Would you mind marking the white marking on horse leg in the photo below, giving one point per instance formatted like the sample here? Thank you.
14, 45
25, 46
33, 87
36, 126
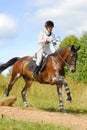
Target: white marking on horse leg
25, 104
68, 98
66, 87
59, 90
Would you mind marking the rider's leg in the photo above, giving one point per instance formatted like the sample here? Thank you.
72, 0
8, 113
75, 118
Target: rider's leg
38, 60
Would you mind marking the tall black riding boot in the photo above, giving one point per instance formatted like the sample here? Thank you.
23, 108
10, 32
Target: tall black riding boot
35, 72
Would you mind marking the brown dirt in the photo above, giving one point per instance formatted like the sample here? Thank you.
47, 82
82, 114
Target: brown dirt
73, 121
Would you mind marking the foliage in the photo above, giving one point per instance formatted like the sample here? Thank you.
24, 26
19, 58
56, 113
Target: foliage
81, 73
83, 58
69, 40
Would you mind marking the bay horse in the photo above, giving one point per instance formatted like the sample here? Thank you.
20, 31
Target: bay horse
53, 72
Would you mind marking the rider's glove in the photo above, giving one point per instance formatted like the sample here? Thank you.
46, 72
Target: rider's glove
55, 45
47, 42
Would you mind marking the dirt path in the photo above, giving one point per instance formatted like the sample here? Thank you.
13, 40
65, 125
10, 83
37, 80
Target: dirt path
76, 122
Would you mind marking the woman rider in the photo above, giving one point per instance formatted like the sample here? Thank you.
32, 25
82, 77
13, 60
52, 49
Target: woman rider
46, 37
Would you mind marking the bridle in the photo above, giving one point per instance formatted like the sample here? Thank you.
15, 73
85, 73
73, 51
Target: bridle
69, 58
67, 63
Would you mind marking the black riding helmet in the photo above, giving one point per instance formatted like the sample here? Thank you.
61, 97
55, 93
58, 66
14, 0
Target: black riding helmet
49, 23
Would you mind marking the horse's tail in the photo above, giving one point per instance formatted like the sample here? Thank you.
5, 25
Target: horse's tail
8, 63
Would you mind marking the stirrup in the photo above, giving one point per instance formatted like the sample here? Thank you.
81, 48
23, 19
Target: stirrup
34, 74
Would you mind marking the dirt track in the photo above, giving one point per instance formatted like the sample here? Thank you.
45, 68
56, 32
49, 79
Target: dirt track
76, 122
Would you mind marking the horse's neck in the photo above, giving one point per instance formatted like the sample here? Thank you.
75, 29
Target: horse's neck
61, 57
65, 53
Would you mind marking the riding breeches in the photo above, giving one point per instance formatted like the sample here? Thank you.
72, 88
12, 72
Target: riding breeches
40, 50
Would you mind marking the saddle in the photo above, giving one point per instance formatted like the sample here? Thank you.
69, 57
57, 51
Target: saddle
32, 63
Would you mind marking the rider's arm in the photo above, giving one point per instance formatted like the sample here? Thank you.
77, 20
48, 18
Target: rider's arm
54, 41
41, 38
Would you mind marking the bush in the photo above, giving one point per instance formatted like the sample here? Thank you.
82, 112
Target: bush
81, 73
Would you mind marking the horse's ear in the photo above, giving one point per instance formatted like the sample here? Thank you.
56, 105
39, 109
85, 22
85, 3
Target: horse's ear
78, 48
72, 48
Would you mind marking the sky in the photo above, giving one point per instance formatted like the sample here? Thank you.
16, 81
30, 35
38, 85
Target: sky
22, 20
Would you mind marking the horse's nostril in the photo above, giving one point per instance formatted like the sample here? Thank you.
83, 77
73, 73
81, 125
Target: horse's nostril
72, 71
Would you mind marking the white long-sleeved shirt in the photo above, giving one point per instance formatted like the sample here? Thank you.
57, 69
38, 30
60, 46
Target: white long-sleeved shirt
44, 35
42, 46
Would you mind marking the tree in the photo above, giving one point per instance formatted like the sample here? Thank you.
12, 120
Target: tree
82, 64
69, 40
81, 72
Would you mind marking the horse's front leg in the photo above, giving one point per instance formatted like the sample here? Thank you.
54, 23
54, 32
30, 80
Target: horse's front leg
59, 91
68, 98
61, 79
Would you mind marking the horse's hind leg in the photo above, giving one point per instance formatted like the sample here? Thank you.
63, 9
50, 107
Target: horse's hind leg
12, 81
23, 92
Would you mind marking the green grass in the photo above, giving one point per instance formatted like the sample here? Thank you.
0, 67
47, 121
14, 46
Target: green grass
45, 96
9, 124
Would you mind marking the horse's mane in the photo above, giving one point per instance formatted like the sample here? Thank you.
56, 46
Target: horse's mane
61, 49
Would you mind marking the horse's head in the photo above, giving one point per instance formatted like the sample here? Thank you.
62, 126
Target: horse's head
72, 58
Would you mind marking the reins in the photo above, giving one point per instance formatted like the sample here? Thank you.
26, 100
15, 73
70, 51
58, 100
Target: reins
63, 59
58, 37
67, 64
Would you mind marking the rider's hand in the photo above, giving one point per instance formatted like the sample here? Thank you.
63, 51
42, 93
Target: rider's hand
47, 42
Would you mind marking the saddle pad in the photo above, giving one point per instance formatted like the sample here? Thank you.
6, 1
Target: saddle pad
32, 65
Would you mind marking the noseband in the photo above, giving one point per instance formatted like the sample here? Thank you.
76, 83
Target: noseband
67, 63
69, 59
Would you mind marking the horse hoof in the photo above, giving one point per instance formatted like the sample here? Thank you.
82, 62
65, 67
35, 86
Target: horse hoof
25, 104
63, 111
69, 98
